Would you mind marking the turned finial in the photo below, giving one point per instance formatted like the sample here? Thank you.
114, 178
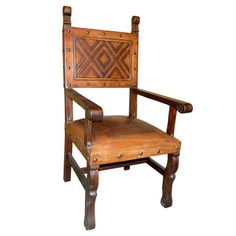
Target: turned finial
135, 23
67, 15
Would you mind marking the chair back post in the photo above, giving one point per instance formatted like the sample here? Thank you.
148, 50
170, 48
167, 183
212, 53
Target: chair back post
66, 24
67, 16
133, 96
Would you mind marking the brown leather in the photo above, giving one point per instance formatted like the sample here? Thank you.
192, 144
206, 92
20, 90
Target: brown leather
119, 138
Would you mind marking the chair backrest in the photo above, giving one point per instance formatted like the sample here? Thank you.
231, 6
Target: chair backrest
99, 58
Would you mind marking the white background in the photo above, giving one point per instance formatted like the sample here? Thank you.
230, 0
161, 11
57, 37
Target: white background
187, 51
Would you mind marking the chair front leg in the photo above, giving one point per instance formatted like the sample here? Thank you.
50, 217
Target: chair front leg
90, 197
168, 178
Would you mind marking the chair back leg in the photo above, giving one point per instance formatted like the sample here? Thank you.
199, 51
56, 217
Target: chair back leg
67, 166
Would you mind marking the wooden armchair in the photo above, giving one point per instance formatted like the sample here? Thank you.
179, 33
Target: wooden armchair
106, 59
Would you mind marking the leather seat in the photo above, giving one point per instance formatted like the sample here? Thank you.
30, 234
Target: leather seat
120, 138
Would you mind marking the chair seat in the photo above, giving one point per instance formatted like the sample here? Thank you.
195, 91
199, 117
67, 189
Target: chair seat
120, 138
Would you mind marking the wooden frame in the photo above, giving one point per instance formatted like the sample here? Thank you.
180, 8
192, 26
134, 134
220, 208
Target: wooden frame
108, 71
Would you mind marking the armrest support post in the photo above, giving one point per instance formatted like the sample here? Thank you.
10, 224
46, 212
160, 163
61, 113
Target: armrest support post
88, 132
171, 121
68, 110
132, 104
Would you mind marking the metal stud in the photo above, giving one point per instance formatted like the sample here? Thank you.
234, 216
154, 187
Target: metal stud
92, 193
89, 143
88, 84
68, 84
120, 156
172, 176
68, 30
158, 150
68, 67
103, 33
141, 153
95, 159
68, 49
87, 32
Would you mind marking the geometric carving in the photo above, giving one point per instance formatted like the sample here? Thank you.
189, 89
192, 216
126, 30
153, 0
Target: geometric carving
95, 58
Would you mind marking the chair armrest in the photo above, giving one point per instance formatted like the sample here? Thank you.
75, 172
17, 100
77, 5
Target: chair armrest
92, 110
180, 106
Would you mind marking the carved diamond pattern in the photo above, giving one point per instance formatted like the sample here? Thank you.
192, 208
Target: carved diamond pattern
104, 59
101, 59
